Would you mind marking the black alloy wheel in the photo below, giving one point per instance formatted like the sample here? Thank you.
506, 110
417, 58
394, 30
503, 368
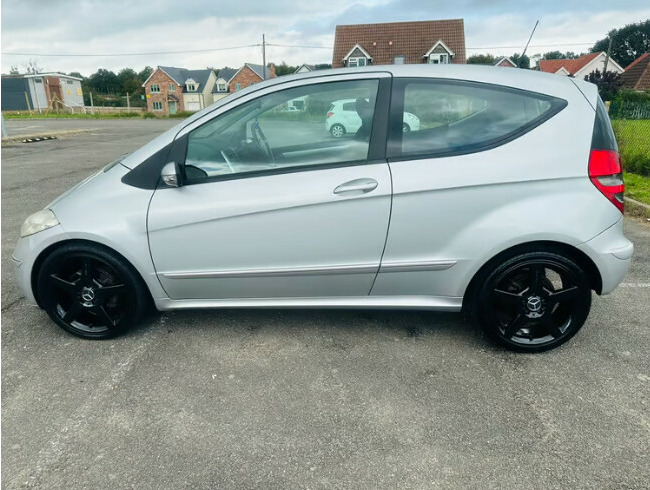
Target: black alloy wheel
90, 292
534, 302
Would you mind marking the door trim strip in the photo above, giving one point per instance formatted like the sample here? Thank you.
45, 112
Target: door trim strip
411, 266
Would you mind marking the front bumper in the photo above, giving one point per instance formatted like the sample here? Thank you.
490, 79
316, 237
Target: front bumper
27, 251
611, 252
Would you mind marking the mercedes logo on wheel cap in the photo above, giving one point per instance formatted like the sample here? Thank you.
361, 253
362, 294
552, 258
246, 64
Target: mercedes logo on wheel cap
534, 304
88, 295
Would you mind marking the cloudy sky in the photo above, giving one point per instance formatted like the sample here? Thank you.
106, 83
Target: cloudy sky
113, 31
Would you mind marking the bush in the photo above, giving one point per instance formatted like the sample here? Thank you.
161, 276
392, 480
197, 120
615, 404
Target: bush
181, 115
149, 115
634, 144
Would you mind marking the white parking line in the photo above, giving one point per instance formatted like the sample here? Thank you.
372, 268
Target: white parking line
635, 285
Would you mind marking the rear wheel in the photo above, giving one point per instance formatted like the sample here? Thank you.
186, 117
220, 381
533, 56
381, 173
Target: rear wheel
90, 292
534, 302
337, 130
405, 128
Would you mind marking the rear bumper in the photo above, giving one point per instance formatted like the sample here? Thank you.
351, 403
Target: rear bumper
611, 252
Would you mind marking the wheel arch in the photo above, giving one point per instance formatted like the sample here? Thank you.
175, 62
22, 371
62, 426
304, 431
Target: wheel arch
569, 251
47, 251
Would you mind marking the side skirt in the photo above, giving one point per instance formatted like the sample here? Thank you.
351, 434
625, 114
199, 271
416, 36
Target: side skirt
437, 303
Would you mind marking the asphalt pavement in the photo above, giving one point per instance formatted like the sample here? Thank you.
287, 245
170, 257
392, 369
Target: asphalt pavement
307, 399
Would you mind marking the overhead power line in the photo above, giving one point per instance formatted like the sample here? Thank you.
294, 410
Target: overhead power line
303, 46
133, 54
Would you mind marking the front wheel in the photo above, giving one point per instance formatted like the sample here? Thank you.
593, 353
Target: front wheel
534, 302
406, 128
90, 291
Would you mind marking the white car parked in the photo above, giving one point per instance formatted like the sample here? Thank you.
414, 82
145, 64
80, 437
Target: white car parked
343, 118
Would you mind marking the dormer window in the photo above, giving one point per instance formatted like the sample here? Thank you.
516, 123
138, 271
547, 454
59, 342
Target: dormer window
439, 54
190, 85
436, 59
357, 56
222, 86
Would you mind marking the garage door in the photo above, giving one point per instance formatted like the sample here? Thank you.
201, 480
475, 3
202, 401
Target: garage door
192, 106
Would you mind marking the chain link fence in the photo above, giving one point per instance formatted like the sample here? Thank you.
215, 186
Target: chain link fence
631, 122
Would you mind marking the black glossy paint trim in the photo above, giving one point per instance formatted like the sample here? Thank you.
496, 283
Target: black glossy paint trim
394, 142
147, 174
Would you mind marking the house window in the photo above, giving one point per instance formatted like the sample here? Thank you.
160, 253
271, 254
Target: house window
437, 59
238, 86
38, 80
155, 88
399, 60
69, 82
157, 106
354, 62
171, 87
221, 87
191, 87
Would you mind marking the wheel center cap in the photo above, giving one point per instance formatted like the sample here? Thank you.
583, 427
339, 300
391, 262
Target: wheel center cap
534, 304
88, 296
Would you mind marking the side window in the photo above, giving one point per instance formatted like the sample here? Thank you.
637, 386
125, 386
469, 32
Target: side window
263, 135
454, 117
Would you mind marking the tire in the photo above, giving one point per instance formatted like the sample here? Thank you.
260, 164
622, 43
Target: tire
90, 291
337, 130
406, 128
534, 302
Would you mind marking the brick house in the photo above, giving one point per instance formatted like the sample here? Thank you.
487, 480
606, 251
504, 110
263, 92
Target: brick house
637, 74
250, 74
580, 67
505, 62
430, 41
169, 89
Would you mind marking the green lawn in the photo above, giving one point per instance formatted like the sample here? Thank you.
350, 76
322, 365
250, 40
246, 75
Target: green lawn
637, 187
634, 144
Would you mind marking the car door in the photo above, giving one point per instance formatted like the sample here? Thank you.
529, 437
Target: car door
273, 206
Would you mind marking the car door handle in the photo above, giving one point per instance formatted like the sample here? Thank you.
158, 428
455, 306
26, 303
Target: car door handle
356, 187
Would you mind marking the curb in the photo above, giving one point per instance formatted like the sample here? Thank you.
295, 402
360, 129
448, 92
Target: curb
30, 138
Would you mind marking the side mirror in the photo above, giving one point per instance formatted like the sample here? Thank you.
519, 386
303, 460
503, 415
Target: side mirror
172, 174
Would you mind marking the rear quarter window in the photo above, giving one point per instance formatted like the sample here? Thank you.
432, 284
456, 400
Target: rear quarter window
457, 117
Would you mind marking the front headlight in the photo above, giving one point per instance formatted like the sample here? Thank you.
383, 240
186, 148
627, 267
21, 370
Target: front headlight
38, 222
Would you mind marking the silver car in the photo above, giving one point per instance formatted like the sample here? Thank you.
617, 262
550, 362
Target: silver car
507, 202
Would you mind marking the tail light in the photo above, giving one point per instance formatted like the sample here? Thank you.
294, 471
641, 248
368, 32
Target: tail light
606, 173
329, 114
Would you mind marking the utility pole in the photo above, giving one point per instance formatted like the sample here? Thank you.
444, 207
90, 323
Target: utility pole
609, 49
263, 57
92, 107
128, 102
4, 128
526, 48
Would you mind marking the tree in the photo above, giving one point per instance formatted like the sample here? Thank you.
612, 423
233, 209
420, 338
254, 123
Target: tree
559, 55
323, 66
129, 81
481, 59
14, 70
104, 81
32, 67
522, 61
628, 43
76, 74
144, 74
608, 83
284, 69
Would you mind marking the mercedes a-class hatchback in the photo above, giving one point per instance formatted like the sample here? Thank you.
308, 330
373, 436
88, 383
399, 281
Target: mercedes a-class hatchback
505, 200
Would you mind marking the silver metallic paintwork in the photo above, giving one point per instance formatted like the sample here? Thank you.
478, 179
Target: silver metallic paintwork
448, 215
